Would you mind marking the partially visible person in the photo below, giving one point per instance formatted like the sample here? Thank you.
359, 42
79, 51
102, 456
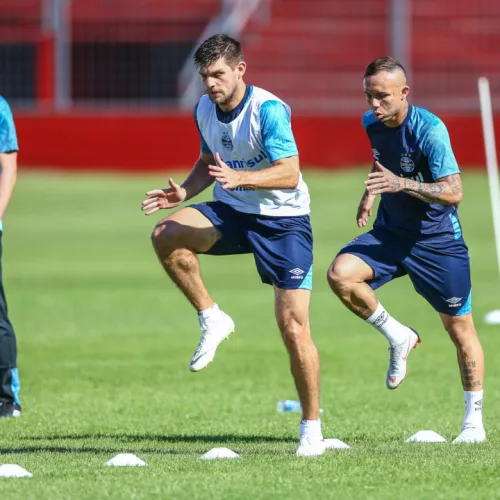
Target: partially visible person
9, 377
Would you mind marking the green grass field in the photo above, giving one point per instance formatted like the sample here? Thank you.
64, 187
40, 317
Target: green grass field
105, 340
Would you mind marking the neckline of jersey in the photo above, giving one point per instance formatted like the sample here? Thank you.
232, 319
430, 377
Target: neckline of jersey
229, 116
407, 118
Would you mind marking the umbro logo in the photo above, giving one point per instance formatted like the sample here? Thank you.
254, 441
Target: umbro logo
297, 273
381, 320
454, 302
479, 405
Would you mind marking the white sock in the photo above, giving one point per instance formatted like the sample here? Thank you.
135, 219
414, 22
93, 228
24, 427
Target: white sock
391, 329
473, 409
208, 313
311, 428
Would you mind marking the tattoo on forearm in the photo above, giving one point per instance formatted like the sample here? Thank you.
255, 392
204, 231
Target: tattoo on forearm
433, 192
429, 193
455, 183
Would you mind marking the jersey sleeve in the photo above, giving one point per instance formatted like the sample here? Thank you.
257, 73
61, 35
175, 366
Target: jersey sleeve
8, 137
276, 129
203, 146
436, 146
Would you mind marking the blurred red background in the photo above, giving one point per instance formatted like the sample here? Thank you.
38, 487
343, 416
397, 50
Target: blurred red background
108, 84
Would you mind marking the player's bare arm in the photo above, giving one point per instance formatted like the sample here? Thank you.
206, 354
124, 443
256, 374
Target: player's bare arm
196, 182
365, 205
8, 174
445, 191
283, 174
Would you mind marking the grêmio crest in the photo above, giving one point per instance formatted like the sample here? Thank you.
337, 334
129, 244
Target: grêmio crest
227, 142
406, 163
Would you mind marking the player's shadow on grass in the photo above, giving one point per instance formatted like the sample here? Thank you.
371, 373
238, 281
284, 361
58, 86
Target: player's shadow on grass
146, 443
165, 438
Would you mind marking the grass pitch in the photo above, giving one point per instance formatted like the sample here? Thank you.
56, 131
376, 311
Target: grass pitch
105, 341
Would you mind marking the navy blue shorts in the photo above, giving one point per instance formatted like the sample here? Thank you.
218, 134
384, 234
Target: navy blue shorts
439, 270
281, 246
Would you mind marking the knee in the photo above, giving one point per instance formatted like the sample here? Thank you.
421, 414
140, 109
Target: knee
461, 334
165, 238
339, 276
293, 331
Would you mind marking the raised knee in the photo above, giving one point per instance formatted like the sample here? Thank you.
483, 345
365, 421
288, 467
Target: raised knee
165, 237
338, 276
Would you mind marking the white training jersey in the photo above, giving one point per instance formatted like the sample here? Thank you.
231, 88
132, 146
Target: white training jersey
251, 137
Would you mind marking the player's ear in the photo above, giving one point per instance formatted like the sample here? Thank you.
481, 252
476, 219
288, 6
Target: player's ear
241, 68
404, 92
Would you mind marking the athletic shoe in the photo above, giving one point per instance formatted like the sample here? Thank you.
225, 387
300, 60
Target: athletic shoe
470, 435
215, 329
399, 356
9, 409
310, 447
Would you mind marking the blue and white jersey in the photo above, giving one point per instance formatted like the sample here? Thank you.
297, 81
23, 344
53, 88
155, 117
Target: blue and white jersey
418, 149
251, 137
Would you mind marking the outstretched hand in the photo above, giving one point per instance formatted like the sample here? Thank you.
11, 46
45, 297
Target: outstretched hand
164, 198
383, 181
228, 178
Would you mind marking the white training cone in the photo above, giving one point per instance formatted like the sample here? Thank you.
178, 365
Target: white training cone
215, 453
425, 437
492, 318
125, 459
336, 444
13, 470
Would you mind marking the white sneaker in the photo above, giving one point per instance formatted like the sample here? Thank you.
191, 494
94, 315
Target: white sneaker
310, 447
399, 355
215, 330
470, 435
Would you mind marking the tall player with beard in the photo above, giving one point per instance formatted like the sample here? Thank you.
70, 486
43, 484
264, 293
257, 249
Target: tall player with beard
261, 206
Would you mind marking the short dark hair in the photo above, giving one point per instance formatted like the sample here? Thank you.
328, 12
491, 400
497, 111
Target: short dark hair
385, 63
217, 46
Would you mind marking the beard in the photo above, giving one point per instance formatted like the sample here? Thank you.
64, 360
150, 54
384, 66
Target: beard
222, 99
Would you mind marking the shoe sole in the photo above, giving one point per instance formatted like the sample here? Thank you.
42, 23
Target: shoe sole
203, 367
419, 341
312, 455
477, 441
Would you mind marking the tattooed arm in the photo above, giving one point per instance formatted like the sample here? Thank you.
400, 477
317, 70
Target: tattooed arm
445, 191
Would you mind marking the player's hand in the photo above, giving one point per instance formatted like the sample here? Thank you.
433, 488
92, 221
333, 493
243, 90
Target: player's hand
164, 198
228, 178
383, 181
365, 209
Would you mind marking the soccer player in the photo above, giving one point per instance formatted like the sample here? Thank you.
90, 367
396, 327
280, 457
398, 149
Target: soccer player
261, 206
416, 233
9, 378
